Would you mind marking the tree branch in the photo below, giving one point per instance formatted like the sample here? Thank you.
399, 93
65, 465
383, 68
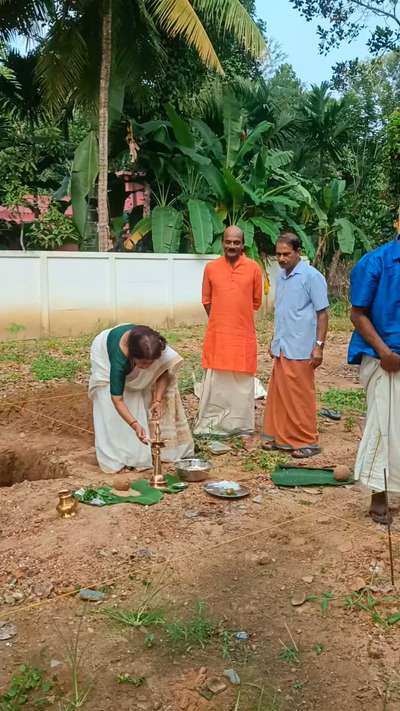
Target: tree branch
379, 11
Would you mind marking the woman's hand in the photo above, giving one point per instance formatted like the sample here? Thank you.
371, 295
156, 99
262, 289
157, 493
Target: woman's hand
155, 410
140, 432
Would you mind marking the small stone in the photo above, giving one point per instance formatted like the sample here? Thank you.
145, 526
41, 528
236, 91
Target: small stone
258, 499
375, 651
298, 599
308, 579
216, 447
91, 595
263, 559
242, 636
54, 663
143, 553
233, 676
8, 599
298, 541
191, 514
7, 630
216, 686
358, 584
44, 589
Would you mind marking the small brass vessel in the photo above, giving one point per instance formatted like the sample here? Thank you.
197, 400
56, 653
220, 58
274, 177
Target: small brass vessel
67, 504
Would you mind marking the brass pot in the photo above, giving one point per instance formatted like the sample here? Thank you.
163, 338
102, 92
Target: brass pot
67, 504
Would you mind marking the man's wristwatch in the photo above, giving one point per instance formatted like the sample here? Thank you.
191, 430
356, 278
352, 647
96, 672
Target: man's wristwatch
320, 344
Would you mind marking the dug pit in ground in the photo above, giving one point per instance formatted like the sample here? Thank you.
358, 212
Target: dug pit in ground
24, 464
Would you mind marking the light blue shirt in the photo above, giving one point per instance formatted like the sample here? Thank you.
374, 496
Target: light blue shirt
299, 295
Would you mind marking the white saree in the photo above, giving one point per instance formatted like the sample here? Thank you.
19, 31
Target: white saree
379, 448
117, 445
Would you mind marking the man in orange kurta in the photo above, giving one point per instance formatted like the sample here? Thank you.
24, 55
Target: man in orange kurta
232, 291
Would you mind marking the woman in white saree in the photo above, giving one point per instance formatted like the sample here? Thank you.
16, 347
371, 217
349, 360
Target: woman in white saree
133, 381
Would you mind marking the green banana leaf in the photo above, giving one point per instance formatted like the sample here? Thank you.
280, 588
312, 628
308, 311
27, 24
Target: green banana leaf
235, 188
166, 228
210, 139
306, 241
181, 129
85, 169
345, 235
268, 227
248, 231
202, 226
233, 127
217, 223
252, 139
215, 180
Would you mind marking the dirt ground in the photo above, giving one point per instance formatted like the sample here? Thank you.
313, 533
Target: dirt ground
247, 561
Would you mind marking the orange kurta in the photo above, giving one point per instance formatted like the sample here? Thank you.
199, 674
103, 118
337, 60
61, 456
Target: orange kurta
234, 293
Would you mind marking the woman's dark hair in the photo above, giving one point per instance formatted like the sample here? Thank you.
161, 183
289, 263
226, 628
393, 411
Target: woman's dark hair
290, 239
144, 344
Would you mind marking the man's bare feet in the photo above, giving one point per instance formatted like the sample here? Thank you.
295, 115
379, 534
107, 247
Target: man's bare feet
378, 511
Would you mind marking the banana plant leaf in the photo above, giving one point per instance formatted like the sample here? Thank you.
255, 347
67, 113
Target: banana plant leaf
248, 231
202, 226
233, 127
345, 235
210, 139
85, 169
166, 228
181, 129
306, 241
252, 139
268, 227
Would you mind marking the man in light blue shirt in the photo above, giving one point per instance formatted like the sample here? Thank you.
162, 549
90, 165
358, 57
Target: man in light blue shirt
301, 325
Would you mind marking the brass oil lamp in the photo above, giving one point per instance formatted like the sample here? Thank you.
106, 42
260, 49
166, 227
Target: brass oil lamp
157, 480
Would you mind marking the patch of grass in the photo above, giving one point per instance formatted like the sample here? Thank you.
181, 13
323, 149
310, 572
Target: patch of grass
75, 658
190, 372
267, 461
197, 631
339, 308
318, 648
135, 618
289, 654
349, 423
350, 400
27, 689
135, 681
363, 600
324, 600
265, 700
10, 355
46, 367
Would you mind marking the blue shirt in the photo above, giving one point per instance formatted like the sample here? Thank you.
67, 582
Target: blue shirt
299, 295
375, 285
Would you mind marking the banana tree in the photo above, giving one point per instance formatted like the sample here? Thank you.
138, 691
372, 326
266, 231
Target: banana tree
334, 234
216, 181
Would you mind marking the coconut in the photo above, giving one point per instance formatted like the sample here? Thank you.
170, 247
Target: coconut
121, 484
342, 472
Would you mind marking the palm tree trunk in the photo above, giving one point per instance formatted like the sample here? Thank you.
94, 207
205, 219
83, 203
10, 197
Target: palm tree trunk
105, 71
